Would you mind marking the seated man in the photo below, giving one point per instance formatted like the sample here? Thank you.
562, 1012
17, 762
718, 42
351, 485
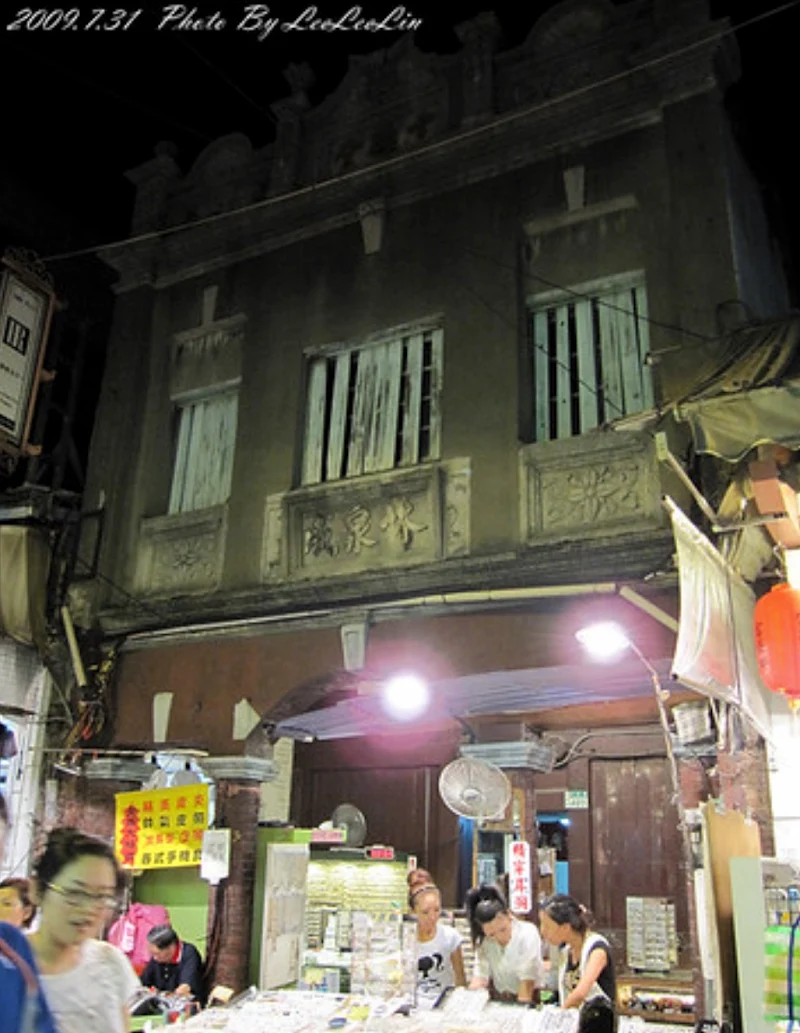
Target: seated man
175, 967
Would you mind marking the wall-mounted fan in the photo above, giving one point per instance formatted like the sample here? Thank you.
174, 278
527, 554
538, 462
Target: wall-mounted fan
348, 817
474, 788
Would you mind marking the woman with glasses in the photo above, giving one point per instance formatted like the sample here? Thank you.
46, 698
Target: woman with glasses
86, 981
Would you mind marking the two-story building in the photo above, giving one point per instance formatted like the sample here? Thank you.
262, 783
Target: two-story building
381, 398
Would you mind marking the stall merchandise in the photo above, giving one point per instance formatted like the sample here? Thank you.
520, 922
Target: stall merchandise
296, 1011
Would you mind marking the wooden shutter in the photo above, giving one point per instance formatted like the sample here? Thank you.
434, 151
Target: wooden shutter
541, 376
315, 422
437, 364
412, 409
337, 428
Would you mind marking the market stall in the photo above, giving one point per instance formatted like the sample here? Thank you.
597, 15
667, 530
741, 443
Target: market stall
295, 1011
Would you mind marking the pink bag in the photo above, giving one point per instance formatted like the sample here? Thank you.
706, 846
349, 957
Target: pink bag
130, 930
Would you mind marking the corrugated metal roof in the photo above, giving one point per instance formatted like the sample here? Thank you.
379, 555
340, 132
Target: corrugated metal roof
498, 692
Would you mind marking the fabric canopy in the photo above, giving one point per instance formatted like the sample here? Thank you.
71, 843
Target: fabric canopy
729, 425
24, 565
716, 652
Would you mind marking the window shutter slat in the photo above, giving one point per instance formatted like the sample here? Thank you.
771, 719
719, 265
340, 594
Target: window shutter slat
414, 401
643, 337
630, 361
181, 455
587, 367
563, 401
315, 422
362, 412
609, 320
437, 363
541, 375
338, 417
381, 455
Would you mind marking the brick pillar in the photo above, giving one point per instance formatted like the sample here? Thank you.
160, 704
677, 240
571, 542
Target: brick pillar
87, 801
744, 786
238, 781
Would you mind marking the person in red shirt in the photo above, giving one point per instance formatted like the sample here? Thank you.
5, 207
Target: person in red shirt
175, 967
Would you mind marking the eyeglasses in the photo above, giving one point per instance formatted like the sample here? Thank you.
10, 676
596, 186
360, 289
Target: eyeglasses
84, 901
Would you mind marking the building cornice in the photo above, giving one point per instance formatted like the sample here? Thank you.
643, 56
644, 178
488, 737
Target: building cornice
305, 604
511, 141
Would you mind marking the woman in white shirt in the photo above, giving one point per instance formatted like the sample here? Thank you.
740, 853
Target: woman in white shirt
508, 955
87, 983
440, 963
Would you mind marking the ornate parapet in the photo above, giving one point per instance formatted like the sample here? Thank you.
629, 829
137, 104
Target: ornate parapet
598, 484
389, 520
182, 553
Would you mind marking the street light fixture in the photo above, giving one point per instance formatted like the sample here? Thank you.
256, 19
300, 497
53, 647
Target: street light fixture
405, 697
606, 641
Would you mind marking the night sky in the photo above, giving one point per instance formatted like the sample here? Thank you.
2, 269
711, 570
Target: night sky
91, 101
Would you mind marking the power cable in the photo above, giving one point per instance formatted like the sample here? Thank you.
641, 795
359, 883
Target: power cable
136, 600
434, 147
200, 57
65, 70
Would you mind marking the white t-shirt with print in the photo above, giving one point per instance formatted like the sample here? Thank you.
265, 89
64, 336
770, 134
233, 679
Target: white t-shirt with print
90, 997
434, 967
519, 960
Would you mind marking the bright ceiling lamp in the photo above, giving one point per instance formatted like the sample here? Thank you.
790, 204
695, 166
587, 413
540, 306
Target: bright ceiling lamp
405, 697
604, 641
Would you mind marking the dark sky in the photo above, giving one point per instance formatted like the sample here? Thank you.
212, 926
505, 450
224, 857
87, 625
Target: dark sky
91, 101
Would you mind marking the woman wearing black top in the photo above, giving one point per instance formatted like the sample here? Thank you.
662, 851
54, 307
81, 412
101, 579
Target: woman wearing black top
586, 977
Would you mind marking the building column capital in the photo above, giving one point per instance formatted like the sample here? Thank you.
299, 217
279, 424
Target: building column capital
239, 769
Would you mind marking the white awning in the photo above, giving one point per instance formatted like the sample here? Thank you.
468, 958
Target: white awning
716, 650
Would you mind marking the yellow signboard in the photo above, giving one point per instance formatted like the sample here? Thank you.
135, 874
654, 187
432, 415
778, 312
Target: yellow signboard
161, 828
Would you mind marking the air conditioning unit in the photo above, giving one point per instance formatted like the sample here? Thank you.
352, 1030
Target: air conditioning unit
533, 754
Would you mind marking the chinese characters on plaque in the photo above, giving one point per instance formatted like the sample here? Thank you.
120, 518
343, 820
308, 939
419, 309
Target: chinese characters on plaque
519, 876
161, 828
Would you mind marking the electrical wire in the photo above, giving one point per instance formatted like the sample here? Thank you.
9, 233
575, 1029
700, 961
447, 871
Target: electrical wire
229, 82
433, 147
69, 71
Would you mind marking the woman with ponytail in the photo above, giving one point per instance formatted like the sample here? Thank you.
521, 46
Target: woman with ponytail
586, 977
508, 951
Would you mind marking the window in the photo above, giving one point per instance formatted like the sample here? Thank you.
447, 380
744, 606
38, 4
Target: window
589, 348
206, 437
374, 407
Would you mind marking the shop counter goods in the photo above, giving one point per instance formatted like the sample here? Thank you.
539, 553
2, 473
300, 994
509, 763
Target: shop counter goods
296, 1011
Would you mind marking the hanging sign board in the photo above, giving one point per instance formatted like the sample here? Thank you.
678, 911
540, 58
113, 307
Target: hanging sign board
520, 891
161, 828
215, 860
26, 306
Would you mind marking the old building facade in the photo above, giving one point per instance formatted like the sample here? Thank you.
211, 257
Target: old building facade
398, 375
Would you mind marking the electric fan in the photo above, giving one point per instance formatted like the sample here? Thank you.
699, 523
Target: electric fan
348, 817
474, 788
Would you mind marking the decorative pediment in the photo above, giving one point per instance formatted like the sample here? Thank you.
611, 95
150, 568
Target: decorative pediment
221, 160
570, 26
388, 103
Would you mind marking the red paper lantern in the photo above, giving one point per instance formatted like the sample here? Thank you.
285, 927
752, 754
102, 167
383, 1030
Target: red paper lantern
777, 633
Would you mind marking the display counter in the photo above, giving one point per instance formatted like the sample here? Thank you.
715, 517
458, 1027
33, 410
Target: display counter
296, 1011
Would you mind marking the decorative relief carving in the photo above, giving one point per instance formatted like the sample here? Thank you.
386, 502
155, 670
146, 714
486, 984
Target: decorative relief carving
598, 483
600, 493
386, 520
183, 552
457, 500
